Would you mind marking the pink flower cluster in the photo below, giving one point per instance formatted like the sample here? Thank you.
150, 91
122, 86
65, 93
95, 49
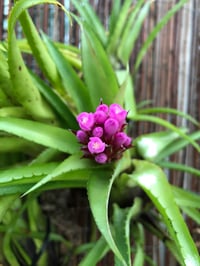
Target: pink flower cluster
101, 133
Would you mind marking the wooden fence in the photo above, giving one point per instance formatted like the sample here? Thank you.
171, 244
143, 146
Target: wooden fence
169, 76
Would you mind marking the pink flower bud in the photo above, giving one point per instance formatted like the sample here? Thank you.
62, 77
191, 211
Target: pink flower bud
120, 139
100, 117
128, 142
102, 107
101, 158
82, 136
97, 132
85, 120
96, 145
111, 126
118, 113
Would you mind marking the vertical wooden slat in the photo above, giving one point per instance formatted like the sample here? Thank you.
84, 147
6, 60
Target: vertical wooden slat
5, 7
61, 29
1, 19
185, 59
45, 18
183, 87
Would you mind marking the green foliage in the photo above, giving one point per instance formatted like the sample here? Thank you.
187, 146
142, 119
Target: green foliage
99, 63
47, 135
71, 83
40, 152
152, 179
23, 88
156, 30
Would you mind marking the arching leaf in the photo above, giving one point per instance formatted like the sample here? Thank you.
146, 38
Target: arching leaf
99, 188
46, 135
98, 73
154, 182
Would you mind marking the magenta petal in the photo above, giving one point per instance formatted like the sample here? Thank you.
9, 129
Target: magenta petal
101, 158
85, 120
82, 136
96, 145
102, 107
120, 139
111, 126
118, 113
97, 132
100, 117
128, 142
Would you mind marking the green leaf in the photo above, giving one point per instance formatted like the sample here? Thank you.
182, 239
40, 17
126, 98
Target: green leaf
180, 167
20, 251
132, 30
4, 100
46, 135
167, 110
126, 93
119, 218
71, 53
192, 213
72, 172
71, 179
13, 111
121, 226
24, 46
177, 145
114, 16
27, 171
91, 19
44, 60
46, 155
154, 225
101, 185
156, 30
39, 50
5, 203
149, 146
143, 103
153, 181
22, 5
56, 102
7, 250
97, 70
5, 82
115, 35
138, 233
71, 82
185, 198
25, 92
72, 163
168, 125
14, 144
96, 253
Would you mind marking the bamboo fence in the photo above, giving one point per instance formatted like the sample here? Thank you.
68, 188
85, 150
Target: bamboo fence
169, 76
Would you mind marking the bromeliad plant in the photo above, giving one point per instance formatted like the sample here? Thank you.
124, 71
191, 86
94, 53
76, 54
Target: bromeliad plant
69, 129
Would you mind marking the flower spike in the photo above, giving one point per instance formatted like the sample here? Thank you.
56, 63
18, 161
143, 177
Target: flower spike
102, 133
